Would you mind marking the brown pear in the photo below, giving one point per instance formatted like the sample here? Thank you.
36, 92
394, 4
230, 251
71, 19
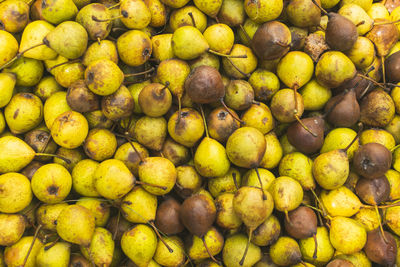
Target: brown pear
392, 67
372, 160
373, 191
81, 99
343, 110
167, 217
381, 249
302, 139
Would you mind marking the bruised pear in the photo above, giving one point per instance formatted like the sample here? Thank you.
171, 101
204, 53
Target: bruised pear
381, 248
302, 139
343, 110
167, 217
392, 67
372, 160
221, 124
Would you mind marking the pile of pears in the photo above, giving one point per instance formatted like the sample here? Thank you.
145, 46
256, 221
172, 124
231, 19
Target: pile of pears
202, 133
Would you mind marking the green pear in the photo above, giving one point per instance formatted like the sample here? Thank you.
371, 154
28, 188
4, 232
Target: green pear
273, 151
103, 77
97, 30
339, 138
285, 251
314, 95
51, 183
183, 40
10, 48
46, 87
244, 65
7, 84
15, 193
47, 215
226, 216
259, 117
15, 255
76, 224
211, 9
299, 167
101, 248
157, 171
188, 180
54, 255
162, 49
69, 73
266, 233
139, 244
234, 248
287, 193
362, 53
214, 241
139, 206
23, 113
325, 250
73, 155
15, 154
28, 71
69, 39
350, 204
55, 105
368, 218
135, 14
226, 183
295, 69
113, 179
12, 227
165, 258
210, 158
98, 207
358, 16
105, 49
151, 132
55, 11
347, 235
358, 259
181, 17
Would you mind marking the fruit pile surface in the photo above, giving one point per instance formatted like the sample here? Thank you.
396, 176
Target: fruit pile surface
201, 133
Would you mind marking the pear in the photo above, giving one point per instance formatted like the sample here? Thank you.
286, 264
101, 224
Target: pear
7, 84
135, 14
56, 12
68, 157
69, 73
380, 136
340, 262
113, 179
135, 90
15, 255
181, 17
14, 15
347, 235
155, 100
283, 104
259, 117
151, 132
80, 98
285, 251
188, 129
324, 250
264, 83
220, 38
97, 30
303, 19
164, 257
12, 227
226, 216
130, 157
158, 13
392, 219
157, 171
210, 158
129, 50
139, 244
381, 247
32, 36
221, 124
264, 10
267, 233
105, 49
240, 63
362, 53
214, 240
15, 193
239, 95
55, 105
394, 179
339, 138
101, 248
69, 129
51, 183
249, 29
47, 215
377, 100
139, 206
69, 39
368, 218
228, 183
76, 224
250, 178
181, 40
384, 35
233, 251
188, 181
299, 167
46, 87
350, 204
358, 16
162, 49
292, 76
28, 71
314, 95
232, 13
96, 119
176, 153
273, 151
98, 207
287, 193
79, 260
16, 154
100, 144
103, 77
23, 113
167, 217
10, 48
53, 255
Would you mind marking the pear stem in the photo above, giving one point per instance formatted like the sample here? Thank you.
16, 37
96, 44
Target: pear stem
234, 180
20, 54
380, 223
134, 148
387, 206
387, 22
116, 228
247, 247
237, 68
320, 7
139, 73
371, 80
31, 247
355, 138
394, 148
192, 17
304, 126
319, 202
245, 33
111, 7
63, 63
259, 179
225, 55
68, 161
296, 110
179, 108
316, 246
287, 216
52, 244
96, 19
208, 251
152, 185
230, 112
383, 71
204, 120
314, 208
160, 237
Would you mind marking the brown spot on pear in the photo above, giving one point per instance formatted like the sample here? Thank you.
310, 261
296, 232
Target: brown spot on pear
343, 110
118, 105
81, 99
31, 168
372, 160
266, 233
377, 108
233, 250
14, 16
41, 142
392, 67
139, 206
151, 132
373, 191
12, 227
188, 181
221, 124
127, 154
155, 100
226, 216
96, 29
239, 94
47, 215
167, 217
101, 248
285, 251
302, 139
176, 153
100, 144
381, 249
15, 255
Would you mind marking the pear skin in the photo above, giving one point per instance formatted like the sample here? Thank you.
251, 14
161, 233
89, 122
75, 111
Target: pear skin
151, 132
287, 193
7, 84
9, 49
56, 256
289, 72
56, 12
234, 248
28, 71
103, 77
325, 250
76, 224
12, 227
214, 240
96, 30
299, 167
162, 49
250, 178
347, 235
128, 155
101, 248
266, 233
174, 71
15, 193
106, 49
182, 39
15, 255
225, 183
139, 206
98, 207
350, 204
55, 105
189, 129
47, 215
158, 171
134, 47
226, 216
164, 257
285, 251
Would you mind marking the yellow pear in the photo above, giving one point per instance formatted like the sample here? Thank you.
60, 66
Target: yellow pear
347, 235
15, 154
8, 49
99, 208
55, 105
350, 204
14, 256
15, 192
12, 227
7, 84
54, 255
139, 206
165, 258
182, 39
47, 214
101, 248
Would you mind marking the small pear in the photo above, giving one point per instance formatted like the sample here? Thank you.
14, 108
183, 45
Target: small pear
362, 53
250, 178
79, 260
350, 204
162, 47
103, 77
105, 49
139, 206
28, 71
285, 251
228, 183
266, 233
283, 104
16, 154
381, 248
377, 100
14, 15
157, 171
324, 250
372, 160
220, 38
339, 138
221, 124
166, 258
101, 248
139, 244
134, 47
167, 217
10, 48
287, 193
214, 241
239, 95
54, 255
241, 63
69, 39
47, 215
118, 105
98, 207
340, 262
188, 129
293, 76
55, 105
130, 157
46, 87
15, 193
113, 179
232, 13
347, 235
176, 153
56, 12
226, 216
135, 14
392, 219
155, 100
83, 178
15, 255
384, 35
97, 30
96, 119
151, 132
260, 117
210, 158
76, 224
299, 167
343, 110
100, 144
51, 183
7, 84
158, 13
181, 17
233, 250
358, 16
12, 227
311, 17
80, 98
181, 40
